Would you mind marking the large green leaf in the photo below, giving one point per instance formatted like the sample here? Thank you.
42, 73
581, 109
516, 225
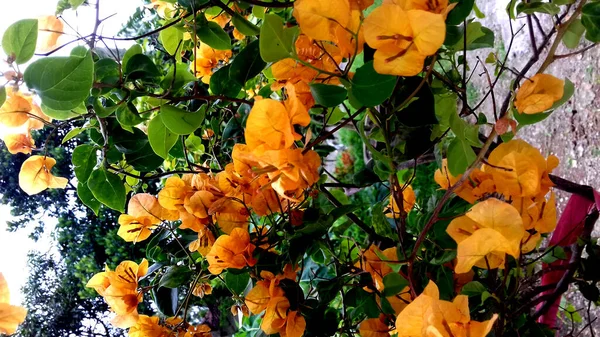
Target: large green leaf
244, 26
19, 40
62, 82
371, 88
573, 34
237, 282
84, 160
380, 223
144, 160
179, 121
175, 276
128, 115
166, 300
222, 84
62, 115
328, 95
393, 284
213, 35
537, 7
460, 156
590, 18
108, 189
141, 66
247, 64
86, 196
171, 38
161, 139
276, 42
182, 74
460, 12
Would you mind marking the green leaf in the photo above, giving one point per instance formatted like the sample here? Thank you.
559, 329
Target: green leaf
84, 160
371, 88
460, 156
86, 196
2, 95
473, 288
328, 95
182, 74
194, 144
276, 42
108, 188
133, 50
62, 115
161, 139
556, 253
460, 12
247, 64
568, 92
142, 67
171, 39
380, 223
175, 276
244, 26
166, 300
129, 142
537, 7
127, 115
573, 34
62, 82
590, 18
106, 71
103, 111
144, 160
213, 35
76, 3
181, 122
221, 83
19, 40
393, 284
237, 282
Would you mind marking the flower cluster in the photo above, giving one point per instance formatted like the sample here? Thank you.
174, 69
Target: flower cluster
518, 175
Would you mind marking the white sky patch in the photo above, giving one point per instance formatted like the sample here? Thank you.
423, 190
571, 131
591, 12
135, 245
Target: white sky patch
15, 246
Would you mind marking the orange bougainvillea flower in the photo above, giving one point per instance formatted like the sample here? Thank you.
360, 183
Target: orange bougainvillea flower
537, 213
271, 123
268, 288
489, 231
371, 262
35, 175
478, 185
319, 18
207, 59
50, 28
143, 214
294, 171
539, 93
519, 170
10, 315
403, 38
15, 110
147, 326
119, 289
280, 319
427, 315
19, 143
374, 327
231, 251
437, 6
408, 202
